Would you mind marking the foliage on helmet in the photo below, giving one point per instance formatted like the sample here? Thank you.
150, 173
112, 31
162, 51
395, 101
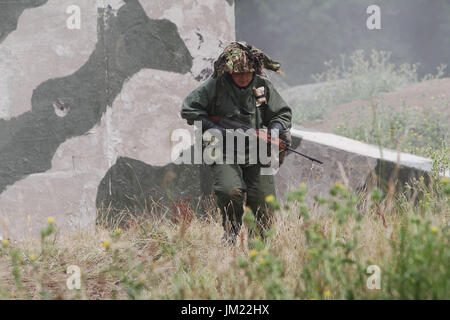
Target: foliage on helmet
240, 57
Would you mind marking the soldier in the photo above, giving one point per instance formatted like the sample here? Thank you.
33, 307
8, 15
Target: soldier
238, 89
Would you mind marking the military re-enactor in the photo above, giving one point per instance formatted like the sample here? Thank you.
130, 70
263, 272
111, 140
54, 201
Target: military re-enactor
237, 89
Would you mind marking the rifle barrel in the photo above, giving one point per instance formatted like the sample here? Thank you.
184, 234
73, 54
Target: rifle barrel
304, 155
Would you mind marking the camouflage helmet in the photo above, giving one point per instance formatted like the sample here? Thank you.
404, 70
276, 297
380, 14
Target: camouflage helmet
242, 57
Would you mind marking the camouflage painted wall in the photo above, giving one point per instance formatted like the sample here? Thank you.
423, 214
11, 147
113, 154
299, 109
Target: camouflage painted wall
84, 111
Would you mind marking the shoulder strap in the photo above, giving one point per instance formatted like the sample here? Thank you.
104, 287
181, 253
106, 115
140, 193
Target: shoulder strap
215, 96
261, 110
261, 82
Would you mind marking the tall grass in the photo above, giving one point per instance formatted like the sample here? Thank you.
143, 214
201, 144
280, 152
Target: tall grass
320, 253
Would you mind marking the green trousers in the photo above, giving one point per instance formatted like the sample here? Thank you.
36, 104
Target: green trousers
236, 185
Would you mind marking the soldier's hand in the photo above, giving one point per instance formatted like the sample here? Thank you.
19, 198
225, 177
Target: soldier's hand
285, 135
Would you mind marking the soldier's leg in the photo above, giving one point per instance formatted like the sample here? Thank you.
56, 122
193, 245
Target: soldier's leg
258, 188
229, 189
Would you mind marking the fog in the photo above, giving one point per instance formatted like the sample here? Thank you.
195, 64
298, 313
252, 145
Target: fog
302, 34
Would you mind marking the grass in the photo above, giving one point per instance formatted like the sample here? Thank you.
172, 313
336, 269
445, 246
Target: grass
364, 78
359, 76
420, 131
320, 253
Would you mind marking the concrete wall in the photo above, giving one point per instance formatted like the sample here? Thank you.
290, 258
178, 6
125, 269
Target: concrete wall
76, 103
358, 165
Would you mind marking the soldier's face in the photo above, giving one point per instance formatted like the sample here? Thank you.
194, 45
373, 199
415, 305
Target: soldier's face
242, 79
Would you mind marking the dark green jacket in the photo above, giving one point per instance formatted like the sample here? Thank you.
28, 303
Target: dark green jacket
221, 97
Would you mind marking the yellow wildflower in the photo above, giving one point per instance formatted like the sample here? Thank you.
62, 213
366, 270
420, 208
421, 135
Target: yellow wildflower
434, 229
105, 244
253, 253
326, 293
118, 231
33, 257
264, 252
339, 185
261, 261
5, 242
50, 220
270, 198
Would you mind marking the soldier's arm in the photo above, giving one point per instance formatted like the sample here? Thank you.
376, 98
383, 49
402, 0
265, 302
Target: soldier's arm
278, 110
196, 104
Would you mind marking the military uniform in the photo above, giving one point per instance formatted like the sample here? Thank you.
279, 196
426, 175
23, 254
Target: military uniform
239, 184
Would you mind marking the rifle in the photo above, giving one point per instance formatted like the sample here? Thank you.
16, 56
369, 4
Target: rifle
227, 123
